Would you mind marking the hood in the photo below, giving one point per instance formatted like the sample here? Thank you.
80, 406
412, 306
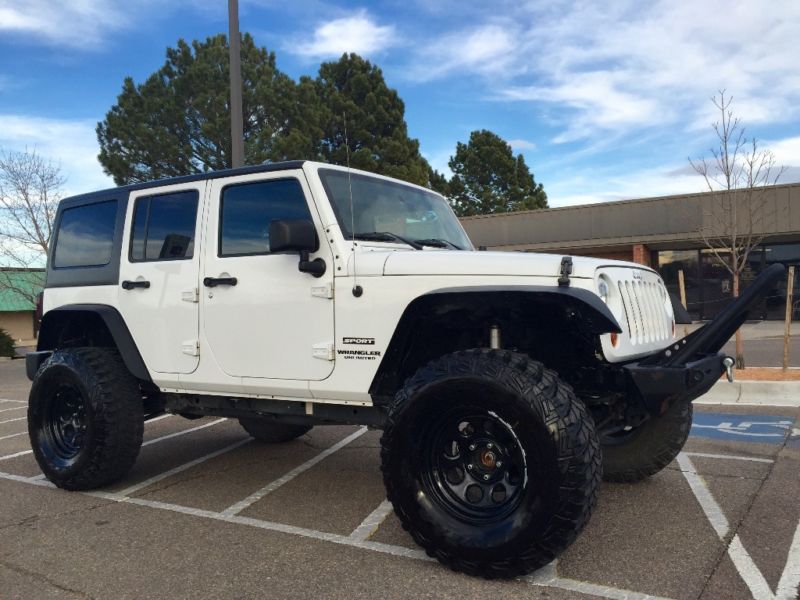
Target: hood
448, 262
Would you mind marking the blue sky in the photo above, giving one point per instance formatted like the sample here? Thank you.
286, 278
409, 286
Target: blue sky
606, 100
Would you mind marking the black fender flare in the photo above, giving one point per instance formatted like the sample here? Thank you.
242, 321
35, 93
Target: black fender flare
596, 318
114, 322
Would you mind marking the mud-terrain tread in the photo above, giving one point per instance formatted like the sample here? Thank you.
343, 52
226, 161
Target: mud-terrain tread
116, 401
580, 457
657, 443
272, 432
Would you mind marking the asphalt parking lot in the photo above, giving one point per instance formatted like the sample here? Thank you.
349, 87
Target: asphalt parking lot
209, 513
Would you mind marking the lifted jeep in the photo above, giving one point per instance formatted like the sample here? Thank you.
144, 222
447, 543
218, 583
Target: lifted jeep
299, 294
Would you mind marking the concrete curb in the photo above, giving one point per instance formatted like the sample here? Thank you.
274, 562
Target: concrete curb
754, 393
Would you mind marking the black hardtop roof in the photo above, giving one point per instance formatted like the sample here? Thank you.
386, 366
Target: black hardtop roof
265, 168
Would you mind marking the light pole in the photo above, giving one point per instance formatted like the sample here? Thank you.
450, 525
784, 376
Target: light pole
237, 127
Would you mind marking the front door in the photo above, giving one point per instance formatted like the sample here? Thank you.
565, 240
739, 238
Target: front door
262, 317
159, 270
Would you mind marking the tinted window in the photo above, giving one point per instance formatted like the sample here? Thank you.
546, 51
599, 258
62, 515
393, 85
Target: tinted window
163, 227
86, 235
248, 209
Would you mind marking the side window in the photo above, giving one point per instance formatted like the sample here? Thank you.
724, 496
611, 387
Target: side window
163, 227
247, 210
85, 235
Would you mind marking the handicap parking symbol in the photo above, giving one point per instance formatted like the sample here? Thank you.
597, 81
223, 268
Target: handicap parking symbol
762, 429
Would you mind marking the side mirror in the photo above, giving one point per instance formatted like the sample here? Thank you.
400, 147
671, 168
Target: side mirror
299, 236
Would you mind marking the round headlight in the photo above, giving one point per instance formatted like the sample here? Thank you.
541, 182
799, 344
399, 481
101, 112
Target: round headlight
602, 290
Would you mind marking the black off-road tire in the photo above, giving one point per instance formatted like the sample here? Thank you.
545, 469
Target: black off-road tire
649, 448
85, 418
265, 430
534, 422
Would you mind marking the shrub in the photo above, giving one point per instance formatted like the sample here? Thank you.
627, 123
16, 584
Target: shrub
6, 344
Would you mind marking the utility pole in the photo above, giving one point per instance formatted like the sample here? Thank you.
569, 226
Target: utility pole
237, 126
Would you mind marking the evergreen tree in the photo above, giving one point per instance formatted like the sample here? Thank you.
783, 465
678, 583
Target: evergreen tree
488, 178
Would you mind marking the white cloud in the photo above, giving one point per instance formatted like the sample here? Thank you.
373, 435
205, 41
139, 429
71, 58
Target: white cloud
521, 145
358, 33
71, 144
486, 49
76, 23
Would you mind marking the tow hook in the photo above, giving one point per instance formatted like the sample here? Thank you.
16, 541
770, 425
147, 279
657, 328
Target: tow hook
728, 363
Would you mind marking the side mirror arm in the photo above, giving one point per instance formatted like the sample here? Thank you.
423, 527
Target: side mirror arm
316, 267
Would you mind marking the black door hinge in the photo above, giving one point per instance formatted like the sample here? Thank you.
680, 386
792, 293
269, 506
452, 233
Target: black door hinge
566, 271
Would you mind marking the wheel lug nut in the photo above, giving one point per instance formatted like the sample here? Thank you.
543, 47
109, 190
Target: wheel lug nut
486, 478
472, 446
469, 467
499, 463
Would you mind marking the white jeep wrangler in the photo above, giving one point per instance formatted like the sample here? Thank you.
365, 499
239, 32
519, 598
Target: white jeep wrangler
299, 294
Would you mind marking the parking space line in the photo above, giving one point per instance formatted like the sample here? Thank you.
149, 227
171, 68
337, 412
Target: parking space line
729, 457
158, 418
180, 468
15, 408
545, 577
746, 567
16, 454
374, 519
12, 420
17, 401
184, 432
235, 509
5, 437
789, 584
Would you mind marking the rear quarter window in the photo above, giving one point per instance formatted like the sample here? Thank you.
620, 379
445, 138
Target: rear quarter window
85, 236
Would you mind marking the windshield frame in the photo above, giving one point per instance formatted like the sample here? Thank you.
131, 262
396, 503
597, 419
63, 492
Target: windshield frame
344, 226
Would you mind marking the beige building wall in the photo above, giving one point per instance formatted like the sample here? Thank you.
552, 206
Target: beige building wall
19, 325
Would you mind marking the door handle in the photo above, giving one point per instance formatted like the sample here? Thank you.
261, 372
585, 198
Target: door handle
129, 285
215, 281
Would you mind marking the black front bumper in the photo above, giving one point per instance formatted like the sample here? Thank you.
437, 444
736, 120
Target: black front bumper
689, 368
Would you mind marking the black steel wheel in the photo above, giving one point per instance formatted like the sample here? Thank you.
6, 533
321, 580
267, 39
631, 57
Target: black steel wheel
640, 452
85, 418
490, 462
271, 431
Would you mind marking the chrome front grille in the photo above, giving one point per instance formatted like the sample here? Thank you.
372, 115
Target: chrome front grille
644, 309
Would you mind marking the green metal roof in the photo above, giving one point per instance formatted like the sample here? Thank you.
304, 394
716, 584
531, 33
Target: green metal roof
12, 300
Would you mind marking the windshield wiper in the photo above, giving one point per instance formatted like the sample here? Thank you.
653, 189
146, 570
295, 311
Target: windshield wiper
387, 236
438, 243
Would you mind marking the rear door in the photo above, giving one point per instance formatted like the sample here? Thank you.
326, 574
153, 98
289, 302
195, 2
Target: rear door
262, 317
159, 271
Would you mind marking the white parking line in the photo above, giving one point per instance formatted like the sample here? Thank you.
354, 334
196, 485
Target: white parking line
271, 487
729, 457
5, 437
16, 454
143, 484
17, 401
158, 418
372, 522
179, 433
15, 408
789, 585
13, 420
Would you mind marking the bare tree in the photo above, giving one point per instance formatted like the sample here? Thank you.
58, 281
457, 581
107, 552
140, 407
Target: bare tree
30, 188
734, 220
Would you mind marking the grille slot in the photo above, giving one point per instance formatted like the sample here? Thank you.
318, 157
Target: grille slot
644, 311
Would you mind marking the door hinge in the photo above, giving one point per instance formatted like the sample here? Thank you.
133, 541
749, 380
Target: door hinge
322, 291
192, 295
323, 351
191, 347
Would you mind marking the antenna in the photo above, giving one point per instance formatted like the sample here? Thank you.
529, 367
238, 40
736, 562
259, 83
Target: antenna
357, 289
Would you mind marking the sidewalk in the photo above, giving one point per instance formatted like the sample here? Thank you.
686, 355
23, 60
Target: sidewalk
754, 393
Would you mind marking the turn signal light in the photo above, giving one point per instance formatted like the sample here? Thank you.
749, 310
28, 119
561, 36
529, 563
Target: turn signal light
614, 339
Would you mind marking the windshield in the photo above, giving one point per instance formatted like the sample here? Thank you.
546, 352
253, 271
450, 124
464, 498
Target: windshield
399, 212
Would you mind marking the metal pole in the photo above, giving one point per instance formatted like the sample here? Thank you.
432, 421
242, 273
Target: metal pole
788, 332
682, 288
237, 126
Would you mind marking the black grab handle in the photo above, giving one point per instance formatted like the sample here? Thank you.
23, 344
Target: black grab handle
129, 285
215, 281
